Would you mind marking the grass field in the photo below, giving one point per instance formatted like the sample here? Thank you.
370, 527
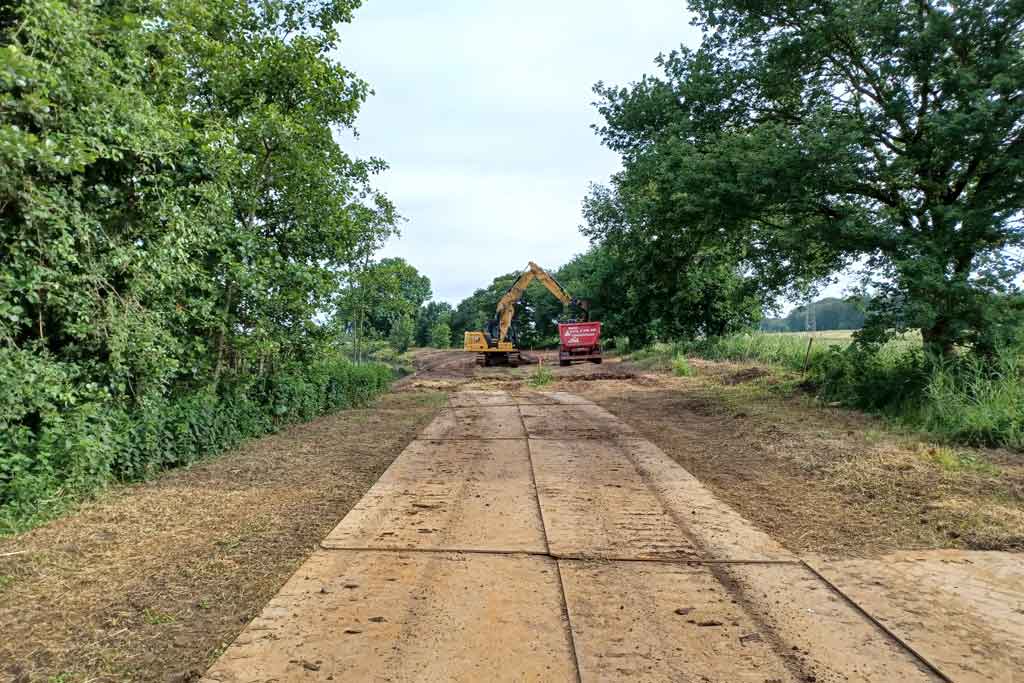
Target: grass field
833, 337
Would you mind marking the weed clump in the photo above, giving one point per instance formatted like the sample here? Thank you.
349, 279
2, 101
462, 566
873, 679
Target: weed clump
540, 377
681, 367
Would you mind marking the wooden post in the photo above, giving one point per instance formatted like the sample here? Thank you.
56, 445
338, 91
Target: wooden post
807, 356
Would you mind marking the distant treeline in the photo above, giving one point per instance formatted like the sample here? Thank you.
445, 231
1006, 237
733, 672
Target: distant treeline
825, 314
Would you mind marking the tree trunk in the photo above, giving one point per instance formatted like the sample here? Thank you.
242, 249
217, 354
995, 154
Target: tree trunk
222, 334
937, 339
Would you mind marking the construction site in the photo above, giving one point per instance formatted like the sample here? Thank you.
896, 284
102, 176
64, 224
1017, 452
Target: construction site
534, 534
577, 341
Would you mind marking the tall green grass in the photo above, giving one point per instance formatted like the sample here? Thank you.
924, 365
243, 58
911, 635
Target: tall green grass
967, 400
785, 350
977, 402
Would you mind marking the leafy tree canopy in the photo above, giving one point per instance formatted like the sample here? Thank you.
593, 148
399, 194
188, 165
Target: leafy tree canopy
825, 314
176, 216
379, 293
173, 199
401, 334
474, 311
803, 136
430, 317
440, 335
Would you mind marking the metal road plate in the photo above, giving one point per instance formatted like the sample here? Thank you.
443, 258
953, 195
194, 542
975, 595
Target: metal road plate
498, 422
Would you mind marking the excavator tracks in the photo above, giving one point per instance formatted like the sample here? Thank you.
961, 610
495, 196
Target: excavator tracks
512, 359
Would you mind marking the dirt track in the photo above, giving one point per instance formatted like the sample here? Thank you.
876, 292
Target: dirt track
534, 536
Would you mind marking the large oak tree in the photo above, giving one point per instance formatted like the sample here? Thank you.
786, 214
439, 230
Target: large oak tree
808, 135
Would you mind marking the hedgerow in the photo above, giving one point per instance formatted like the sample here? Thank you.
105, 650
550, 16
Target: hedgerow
64, 442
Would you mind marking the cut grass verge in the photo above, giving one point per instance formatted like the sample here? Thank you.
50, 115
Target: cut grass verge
963, 401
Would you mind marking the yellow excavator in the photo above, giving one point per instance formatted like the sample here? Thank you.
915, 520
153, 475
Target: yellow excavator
497, 344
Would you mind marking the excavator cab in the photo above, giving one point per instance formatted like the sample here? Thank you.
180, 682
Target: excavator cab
490, 348
492, 332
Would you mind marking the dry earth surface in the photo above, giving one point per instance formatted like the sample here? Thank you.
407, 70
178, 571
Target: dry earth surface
152, 581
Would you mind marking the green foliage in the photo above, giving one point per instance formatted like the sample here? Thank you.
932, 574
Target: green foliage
681, 367
648, 291
176, 217
802, 137
428, 319
540, 377
441, 335
978, 403
966, 399
826, 314
381, 351
383, 292
401, 335
377, 296
77, 449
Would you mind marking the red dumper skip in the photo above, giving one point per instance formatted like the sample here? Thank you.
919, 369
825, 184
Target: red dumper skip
579, 341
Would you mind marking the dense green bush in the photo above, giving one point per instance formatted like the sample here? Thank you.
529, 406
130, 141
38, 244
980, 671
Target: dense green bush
63, 441
977, 402
889, 379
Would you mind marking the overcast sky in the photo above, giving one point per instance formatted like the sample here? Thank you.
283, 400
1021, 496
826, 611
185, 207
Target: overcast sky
483, 111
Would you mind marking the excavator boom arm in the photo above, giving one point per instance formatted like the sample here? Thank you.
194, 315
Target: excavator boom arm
551, 283
506, 305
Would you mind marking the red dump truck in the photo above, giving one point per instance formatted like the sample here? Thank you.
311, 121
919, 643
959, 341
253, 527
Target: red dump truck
579, 341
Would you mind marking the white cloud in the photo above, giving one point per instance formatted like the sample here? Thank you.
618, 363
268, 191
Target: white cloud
483, 110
